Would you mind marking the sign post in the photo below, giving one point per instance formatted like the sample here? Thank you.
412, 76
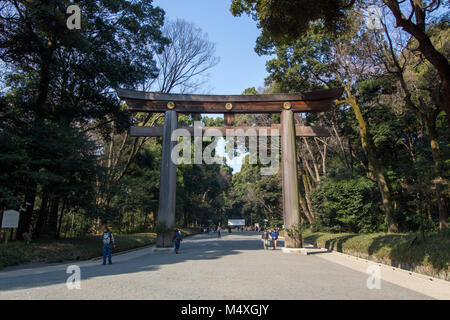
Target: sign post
6, 236
10, 220
236, 222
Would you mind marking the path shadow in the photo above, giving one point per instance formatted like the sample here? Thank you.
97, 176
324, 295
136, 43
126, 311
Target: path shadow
199, 247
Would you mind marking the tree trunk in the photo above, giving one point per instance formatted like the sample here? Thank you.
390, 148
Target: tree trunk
351, 156
437, 168
341, 146
44, 80
42, 217
61, 215
51, 226
185, 217
305, 209
71, 225
374, 165
25, 217
307, 189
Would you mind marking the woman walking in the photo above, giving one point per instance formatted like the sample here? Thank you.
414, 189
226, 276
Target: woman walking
265, 238
177, 238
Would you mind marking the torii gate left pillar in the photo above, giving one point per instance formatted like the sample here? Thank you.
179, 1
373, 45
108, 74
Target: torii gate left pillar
168, 182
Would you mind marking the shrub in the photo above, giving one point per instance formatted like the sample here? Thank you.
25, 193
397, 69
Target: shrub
347, 205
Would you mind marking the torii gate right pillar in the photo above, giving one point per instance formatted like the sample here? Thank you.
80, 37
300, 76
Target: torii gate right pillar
291, 210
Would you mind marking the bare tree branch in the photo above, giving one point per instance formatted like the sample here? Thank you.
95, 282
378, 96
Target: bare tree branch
184, 62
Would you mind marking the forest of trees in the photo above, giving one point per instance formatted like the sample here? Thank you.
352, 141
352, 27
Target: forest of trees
385, 168
66, 156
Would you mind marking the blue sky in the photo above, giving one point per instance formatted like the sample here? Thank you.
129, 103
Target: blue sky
239, 67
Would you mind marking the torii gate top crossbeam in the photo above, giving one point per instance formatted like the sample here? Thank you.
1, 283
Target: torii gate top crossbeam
318, 101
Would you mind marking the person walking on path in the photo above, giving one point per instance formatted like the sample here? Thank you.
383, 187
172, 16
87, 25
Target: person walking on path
219, 231
108, 244
265, 238
177, 238
274, 236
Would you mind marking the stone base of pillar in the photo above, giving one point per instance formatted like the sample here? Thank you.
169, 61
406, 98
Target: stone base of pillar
295, 250
164, 240
290, 242
163, 250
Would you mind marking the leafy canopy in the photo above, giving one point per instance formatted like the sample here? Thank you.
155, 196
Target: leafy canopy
288, 20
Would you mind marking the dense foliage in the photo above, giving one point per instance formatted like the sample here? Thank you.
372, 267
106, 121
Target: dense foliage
389, 149
347, 204
67, 158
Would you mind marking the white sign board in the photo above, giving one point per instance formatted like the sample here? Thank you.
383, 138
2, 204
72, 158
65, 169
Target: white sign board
10, 219
236, 222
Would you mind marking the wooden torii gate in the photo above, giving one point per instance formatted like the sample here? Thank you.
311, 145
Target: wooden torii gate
286, 104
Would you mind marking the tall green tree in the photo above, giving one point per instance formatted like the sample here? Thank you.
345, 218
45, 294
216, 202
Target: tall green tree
317, 61
420, 95
65, 78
